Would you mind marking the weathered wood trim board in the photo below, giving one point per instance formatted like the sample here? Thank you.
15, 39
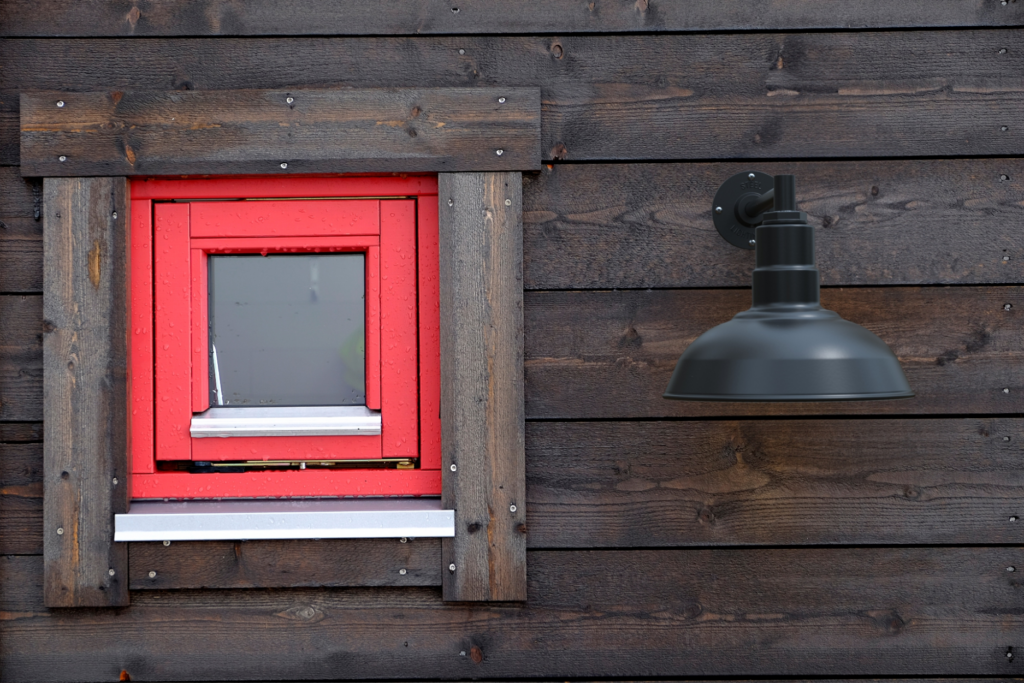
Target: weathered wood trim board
272, 132
482, 415
22, 18
85, 404
629, 97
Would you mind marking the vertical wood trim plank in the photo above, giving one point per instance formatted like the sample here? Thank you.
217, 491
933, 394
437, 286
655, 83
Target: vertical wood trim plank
85, 390
482, 413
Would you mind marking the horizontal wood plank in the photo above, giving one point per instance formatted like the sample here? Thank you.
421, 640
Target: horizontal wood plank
272, 564
679, 96
610, 354
52, 18
21, 357
814, 612
628, 484
588, 226
775, 482
951, 221
21, 498
21, 432
21, 231
280, 132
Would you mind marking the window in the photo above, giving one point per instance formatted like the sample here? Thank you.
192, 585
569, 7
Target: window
284, 338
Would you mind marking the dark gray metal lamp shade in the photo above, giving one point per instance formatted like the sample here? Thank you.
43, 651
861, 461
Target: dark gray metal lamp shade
789, 355
787, 347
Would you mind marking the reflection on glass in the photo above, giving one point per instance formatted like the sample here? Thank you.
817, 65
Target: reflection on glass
287, 330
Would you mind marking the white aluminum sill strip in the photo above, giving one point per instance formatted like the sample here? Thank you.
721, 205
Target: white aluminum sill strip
241, 520
286, 421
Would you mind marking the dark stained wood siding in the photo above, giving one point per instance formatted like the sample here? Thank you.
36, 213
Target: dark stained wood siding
665, 540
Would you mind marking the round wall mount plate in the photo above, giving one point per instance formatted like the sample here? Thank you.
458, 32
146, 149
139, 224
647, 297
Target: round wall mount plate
736, 228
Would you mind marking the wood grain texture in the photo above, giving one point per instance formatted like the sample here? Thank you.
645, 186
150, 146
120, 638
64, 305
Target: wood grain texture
610, 354
482, 418
949, 221
775, 482
22, 18
274, 564
280, 132
21, 357
21, 498
21, 232
85, 404
622, 97
813, 612
21, 432
628, 484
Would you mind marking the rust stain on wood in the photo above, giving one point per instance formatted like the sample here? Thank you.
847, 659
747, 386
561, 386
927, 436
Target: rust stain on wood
476, 654
94, 263
116, 96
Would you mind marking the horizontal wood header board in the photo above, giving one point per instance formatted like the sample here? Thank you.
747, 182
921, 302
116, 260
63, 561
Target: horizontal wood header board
279, 131
609, 97
24, 18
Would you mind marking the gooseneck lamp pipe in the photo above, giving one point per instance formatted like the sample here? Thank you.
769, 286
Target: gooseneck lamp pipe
786, 347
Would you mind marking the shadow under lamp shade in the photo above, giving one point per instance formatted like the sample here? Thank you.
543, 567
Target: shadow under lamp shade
786, 347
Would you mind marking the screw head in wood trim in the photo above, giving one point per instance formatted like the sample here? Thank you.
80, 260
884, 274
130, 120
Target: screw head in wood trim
62, 158
451, 567
1006, 390
60, 104
403, 572
453, 467
508, 202
167, 543
283, 165
114, 481
60, 531
289, 99
499, 152
152, 575
111, 571
501, 100
512, 508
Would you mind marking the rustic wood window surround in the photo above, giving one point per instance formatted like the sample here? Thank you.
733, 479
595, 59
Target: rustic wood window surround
85, 144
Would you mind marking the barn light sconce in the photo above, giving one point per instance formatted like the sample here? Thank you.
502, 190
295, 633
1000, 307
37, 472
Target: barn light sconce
786, 347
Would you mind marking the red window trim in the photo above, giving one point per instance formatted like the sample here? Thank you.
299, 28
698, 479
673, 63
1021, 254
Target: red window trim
394, 194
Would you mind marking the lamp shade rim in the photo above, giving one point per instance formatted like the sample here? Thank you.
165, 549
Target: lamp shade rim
783, 398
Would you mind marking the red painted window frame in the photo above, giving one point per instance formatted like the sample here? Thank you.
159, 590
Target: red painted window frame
409, 299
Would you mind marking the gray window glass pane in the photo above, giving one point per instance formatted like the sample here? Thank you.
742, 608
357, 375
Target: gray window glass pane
287, 330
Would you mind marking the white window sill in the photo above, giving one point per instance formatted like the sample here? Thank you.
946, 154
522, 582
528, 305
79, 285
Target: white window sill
286, 421
239, 520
